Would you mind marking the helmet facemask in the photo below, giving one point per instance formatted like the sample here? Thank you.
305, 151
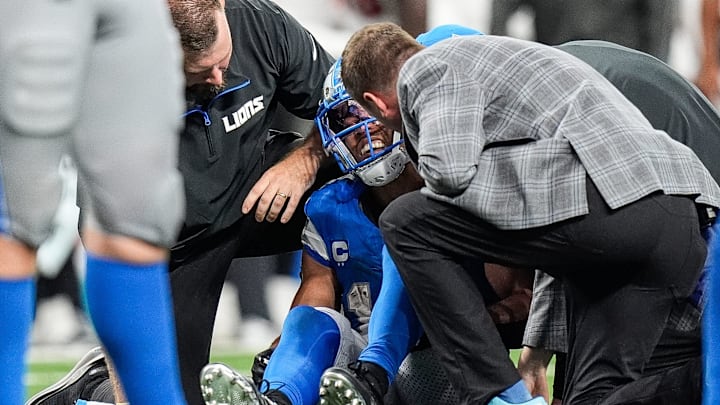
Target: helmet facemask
359, 143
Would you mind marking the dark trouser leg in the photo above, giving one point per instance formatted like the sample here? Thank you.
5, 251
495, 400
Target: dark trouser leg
623, 318
448, 304
613, 344
653, 244
673, 374
196, 285
677, 385
559, 382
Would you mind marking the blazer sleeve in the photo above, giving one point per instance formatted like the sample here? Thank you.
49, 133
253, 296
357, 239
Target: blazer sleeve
546, 326
444, 108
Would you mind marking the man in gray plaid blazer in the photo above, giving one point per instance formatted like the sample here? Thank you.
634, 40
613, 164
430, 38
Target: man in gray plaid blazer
531, 158
672, 104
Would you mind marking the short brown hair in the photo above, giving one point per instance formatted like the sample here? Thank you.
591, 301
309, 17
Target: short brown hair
196, 22
374, 55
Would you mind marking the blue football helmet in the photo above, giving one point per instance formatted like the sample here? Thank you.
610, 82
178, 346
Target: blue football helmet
444, 32
340, 116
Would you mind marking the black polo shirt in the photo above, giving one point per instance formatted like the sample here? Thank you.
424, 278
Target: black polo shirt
274, 61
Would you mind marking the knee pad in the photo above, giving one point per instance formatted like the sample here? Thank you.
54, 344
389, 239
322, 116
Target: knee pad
351, 341
44, 66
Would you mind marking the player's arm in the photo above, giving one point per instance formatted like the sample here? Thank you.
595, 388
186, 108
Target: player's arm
514, 288
532, 367
319, 286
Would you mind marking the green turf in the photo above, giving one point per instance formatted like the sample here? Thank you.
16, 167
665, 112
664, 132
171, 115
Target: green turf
43, 374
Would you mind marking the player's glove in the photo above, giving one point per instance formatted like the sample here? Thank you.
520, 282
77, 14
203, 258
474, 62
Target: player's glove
259, 364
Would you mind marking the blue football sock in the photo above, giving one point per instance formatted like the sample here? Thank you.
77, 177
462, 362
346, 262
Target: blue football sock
394, 326
16, 314
711, 317
308, 345
131, 308
516, 393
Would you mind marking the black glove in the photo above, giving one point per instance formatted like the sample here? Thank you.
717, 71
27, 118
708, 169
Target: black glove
259, 364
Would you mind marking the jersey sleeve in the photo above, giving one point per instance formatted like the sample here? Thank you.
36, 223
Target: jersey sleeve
314, 244
440, 100
327, 217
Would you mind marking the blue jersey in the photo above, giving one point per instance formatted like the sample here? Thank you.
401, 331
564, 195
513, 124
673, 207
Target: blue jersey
340, 236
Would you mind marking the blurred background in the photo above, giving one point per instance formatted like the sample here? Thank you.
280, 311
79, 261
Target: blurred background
668, 29
258, 291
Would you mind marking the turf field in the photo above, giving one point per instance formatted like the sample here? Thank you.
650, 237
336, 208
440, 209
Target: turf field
42, 374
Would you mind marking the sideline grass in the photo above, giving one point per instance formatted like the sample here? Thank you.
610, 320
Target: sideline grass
44, 374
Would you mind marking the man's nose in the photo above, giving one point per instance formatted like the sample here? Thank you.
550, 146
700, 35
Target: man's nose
215, 77
375, 126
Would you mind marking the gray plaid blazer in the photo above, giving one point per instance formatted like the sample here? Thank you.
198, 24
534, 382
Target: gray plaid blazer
510, 129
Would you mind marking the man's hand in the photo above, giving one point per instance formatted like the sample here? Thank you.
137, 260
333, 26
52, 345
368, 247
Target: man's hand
281, 187
532, 367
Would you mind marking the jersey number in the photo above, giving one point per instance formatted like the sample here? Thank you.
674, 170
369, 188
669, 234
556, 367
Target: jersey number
359, 299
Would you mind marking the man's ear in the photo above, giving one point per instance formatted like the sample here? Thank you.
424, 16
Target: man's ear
377, 101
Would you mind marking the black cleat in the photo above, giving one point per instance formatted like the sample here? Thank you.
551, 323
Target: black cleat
79, 383
355, 385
